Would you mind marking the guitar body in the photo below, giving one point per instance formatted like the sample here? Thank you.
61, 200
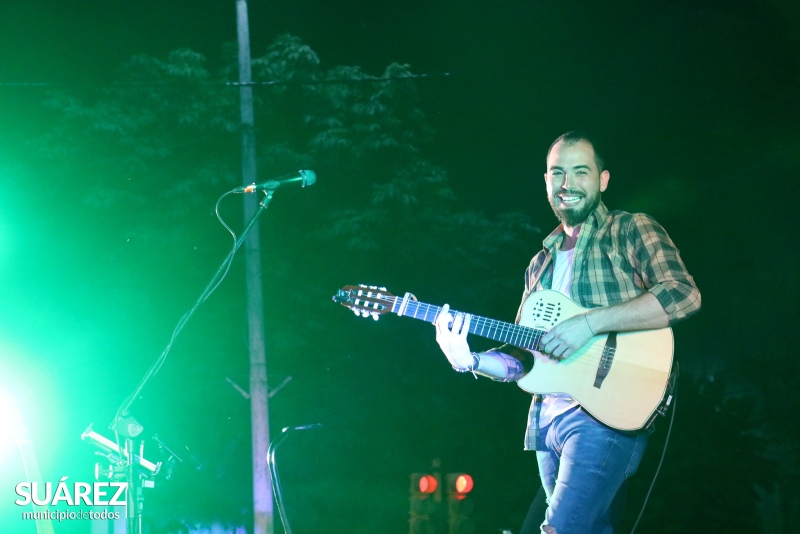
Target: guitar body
619, 378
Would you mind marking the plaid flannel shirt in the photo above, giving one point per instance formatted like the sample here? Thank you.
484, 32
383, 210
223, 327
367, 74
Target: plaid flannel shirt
618, 256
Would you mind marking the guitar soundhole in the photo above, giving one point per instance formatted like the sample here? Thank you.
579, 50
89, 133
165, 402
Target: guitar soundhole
547, 311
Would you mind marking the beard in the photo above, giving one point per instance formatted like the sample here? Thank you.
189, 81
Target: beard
572, 217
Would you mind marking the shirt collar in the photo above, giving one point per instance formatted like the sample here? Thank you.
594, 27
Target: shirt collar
595, 220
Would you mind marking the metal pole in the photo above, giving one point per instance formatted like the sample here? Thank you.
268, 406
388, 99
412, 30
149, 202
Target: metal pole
259, 412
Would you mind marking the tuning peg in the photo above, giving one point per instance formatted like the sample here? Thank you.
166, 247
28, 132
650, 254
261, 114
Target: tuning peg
375, 316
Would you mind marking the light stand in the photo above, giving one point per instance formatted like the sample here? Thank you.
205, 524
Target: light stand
130, 430
126, 464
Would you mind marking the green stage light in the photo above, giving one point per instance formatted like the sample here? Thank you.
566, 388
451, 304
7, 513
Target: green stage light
11, 423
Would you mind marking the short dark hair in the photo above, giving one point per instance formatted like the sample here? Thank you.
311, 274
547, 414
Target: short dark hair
570, 138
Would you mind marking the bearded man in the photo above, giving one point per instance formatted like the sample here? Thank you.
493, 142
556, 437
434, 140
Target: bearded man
627, 274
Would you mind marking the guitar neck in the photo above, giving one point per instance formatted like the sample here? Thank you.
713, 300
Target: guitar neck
513, 334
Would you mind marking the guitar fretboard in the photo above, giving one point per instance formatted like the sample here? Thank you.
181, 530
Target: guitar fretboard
513, 334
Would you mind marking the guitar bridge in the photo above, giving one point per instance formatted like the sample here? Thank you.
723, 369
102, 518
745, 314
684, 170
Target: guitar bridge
609, 350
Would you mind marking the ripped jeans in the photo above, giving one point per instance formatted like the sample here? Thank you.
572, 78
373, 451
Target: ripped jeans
582, 468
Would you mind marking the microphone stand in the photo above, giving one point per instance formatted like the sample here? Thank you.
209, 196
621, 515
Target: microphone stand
135, 502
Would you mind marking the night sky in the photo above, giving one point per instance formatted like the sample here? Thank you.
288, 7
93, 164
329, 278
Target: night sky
696, 102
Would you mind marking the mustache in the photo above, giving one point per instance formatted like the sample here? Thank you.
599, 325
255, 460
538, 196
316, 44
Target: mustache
571, 192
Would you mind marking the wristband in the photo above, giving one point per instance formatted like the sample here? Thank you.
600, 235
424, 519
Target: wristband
470, 368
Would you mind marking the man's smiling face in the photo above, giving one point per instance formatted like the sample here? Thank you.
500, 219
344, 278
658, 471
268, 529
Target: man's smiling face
574, 182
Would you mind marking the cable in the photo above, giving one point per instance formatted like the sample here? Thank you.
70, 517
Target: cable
118, 85
216, 280
661, 460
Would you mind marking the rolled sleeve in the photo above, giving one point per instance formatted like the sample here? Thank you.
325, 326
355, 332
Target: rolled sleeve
662, 270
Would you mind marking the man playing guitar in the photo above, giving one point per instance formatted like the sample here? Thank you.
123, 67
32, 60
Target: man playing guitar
627, 275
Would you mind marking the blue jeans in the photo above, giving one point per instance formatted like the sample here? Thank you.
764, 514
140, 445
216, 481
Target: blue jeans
582, 468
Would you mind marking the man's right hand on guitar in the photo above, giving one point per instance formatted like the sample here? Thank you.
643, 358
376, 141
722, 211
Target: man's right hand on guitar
453, 339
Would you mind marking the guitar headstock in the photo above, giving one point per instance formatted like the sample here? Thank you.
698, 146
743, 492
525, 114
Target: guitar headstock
366, 301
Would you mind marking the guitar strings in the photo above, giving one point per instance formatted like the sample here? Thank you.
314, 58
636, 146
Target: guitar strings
518, 335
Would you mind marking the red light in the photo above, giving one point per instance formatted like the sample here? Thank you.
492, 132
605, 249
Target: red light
464, 484
427, 484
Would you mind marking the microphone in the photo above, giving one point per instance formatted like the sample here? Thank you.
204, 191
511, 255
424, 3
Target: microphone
301, 178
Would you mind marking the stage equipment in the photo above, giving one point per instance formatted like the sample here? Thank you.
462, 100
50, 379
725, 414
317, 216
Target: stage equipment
125, 427
273, 468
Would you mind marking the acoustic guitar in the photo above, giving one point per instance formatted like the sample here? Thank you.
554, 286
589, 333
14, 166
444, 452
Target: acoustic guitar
620, 378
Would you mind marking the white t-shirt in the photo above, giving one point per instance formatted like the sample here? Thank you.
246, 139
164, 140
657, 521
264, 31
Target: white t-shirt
555, 405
